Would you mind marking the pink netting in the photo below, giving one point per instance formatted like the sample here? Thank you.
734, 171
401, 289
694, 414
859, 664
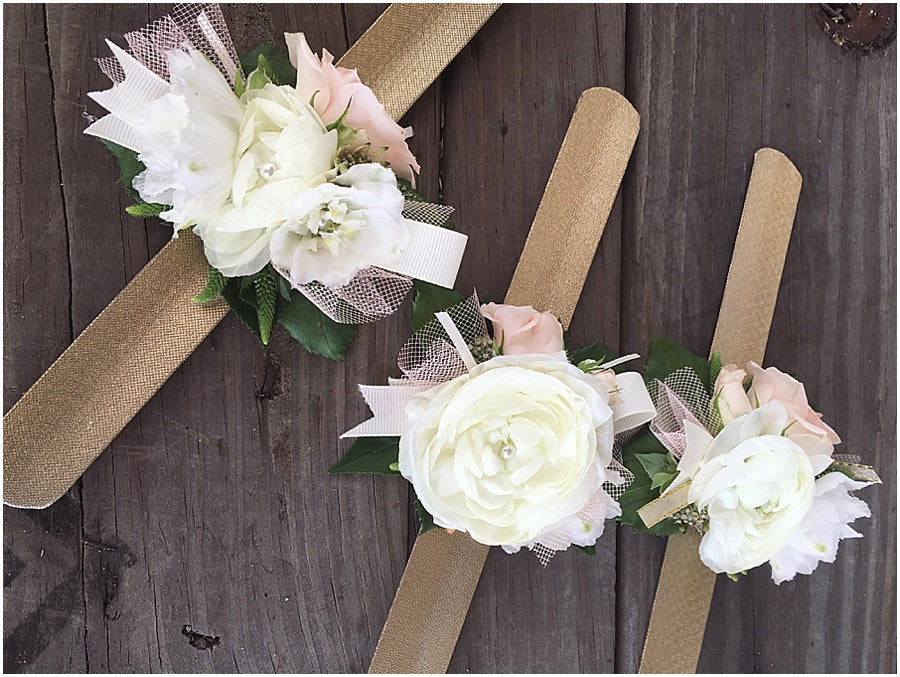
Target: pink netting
201, 26
373, 293
680, 397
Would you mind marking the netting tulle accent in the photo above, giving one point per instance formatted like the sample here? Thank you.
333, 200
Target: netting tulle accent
198, 26
429, 356
681, 396
373, 293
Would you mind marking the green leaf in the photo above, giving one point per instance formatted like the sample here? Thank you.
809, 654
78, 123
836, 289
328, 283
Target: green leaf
588, 549
129, 165
215, 283
430, 299
279, 65
640, 493
665, 357
259, 77
369, 455
266, 290
715, 366
239, 85
409, 193
144, 210
284, 286
233, 293
313, 329
426, 521
594, 351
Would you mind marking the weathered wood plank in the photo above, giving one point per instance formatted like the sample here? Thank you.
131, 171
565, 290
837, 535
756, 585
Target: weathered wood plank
508, 101
212, 509
43, 620
718, 83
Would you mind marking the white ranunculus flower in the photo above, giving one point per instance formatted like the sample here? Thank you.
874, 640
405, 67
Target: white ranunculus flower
513, 451
187, 141
757, 485
282, 150
334, 230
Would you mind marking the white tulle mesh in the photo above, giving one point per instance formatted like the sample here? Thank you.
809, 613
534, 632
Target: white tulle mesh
373, 293
200, 26
680, 397
429, 356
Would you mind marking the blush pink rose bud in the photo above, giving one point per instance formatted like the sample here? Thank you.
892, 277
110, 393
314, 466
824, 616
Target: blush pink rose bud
772, 385
729, 394
334, 88
521, 330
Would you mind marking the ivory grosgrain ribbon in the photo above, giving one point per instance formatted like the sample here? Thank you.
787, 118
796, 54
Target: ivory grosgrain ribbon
75, 410
436, 590
685, 589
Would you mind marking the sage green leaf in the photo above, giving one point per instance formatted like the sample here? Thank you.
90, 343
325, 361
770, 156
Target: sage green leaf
129, 165
409, 193
715, 366
665, 357
233, 293
313, 329
640, 493
215, 283
587, 549
144, 210
369, 455
430, 299
278, 64
596, 354
266, 289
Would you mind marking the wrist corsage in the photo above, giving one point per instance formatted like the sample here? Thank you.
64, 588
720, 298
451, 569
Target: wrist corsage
739, 455
503, 437
287, 167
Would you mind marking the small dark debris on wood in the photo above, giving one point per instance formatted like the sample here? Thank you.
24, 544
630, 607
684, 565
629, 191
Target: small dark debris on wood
199, 641
271, 382
858, 27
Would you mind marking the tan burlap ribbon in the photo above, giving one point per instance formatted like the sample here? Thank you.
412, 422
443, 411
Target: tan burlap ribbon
73, 412
436, 590
685, 589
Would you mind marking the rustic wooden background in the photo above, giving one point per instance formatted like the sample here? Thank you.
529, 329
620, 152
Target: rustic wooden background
212, 509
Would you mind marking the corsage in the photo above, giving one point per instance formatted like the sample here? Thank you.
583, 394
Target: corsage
506, 437
738, 454
287, 167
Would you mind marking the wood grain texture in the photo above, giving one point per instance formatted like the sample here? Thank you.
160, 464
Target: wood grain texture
212, 509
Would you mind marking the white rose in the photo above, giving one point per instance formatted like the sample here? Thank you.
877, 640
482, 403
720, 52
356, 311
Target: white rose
757, 486
282, 150
333, 231
187, 141
513, 451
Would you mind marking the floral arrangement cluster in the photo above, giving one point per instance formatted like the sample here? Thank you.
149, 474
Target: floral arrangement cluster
294, 176
506, 437
739, 455
509, 437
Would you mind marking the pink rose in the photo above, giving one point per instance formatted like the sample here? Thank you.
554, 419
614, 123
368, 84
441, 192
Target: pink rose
334, 88
772, 385
521, 330
729, 394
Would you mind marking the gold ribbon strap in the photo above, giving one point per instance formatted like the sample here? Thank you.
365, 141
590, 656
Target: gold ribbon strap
667, 504
409, 45
115, 366
684, 592
551, 272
